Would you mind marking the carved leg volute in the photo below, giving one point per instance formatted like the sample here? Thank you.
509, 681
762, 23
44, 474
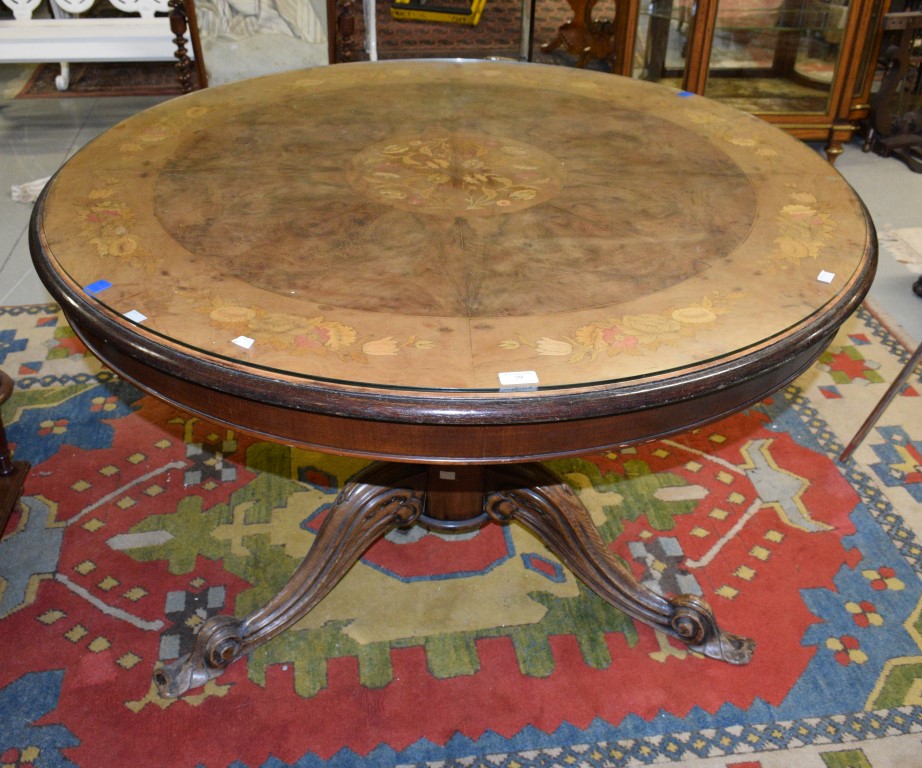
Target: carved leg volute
383, 497
693, 622
217, 644
533, 496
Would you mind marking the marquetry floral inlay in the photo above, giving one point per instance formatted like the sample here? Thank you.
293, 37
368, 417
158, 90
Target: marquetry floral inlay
107, 225
300, 335
458, 174
805, 229
729, 129
629, 334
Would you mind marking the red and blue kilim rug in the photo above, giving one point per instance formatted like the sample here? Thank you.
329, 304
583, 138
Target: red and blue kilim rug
138, 522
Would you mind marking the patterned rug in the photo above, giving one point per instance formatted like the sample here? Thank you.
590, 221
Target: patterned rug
142, 78
138, 522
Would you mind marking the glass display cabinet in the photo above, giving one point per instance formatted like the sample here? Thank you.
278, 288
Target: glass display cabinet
805, 65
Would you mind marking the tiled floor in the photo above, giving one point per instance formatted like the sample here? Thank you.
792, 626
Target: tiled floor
37, 136
893, 195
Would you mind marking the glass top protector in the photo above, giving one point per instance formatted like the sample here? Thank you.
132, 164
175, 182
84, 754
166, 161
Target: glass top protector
443, 225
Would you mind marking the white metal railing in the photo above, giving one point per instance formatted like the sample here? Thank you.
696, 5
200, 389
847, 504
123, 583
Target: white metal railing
44, 31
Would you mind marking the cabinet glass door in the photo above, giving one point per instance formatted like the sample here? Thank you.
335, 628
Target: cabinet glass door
661, 47
776, 56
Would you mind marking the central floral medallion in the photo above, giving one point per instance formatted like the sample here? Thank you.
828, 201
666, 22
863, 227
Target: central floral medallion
457, 174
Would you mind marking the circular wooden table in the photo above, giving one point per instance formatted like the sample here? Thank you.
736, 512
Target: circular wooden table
458, 269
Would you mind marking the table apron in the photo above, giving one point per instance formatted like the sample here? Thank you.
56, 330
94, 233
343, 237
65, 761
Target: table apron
449, 443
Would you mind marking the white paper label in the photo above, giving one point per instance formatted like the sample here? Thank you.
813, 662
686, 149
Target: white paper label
136, 316
518, 378
826, 277
243, 341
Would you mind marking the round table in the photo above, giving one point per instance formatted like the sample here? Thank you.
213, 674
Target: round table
458, 269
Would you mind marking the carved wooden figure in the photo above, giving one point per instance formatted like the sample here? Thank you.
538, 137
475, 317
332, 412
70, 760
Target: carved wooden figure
585, 37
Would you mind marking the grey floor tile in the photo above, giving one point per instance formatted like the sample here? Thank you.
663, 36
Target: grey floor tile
35, 138
19, 284
893, 196
27, 290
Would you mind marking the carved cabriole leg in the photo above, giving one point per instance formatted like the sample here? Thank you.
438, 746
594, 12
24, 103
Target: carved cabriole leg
533, 496
386, 496
383, 497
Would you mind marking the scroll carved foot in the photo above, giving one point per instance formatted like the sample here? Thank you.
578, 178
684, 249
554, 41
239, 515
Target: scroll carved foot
217, 644
383, 497
693, 623
533, 496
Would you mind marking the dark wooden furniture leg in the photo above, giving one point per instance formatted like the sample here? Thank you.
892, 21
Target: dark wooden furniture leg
182, 20
383, 497
341, 30
894, 388
12, 473
386, 496
895, 120
531, 495
881, 406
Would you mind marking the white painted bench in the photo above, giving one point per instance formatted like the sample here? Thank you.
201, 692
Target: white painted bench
68, 36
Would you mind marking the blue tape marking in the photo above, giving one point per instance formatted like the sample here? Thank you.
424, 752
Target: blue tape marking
685, 94
98, 286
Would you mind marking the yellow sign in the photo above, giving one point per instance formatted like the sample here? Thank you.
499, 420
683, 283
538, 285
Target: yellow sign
420, 10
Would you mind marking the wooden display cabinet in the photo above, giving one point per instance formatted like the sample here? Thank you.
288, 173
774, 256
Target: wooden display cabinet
805, 65
808, 66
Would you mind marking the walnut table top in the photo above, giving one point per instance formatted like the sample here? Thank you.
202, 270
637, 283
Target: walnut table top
457, 243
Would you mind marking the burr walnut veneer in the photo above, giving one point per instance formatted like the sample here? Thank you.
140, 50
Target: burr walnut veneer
457, 269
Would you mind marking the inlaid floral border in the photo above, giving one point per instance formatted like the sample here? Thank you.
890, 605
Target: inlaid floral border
107, 225
630, 334
301, 336
805, 229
